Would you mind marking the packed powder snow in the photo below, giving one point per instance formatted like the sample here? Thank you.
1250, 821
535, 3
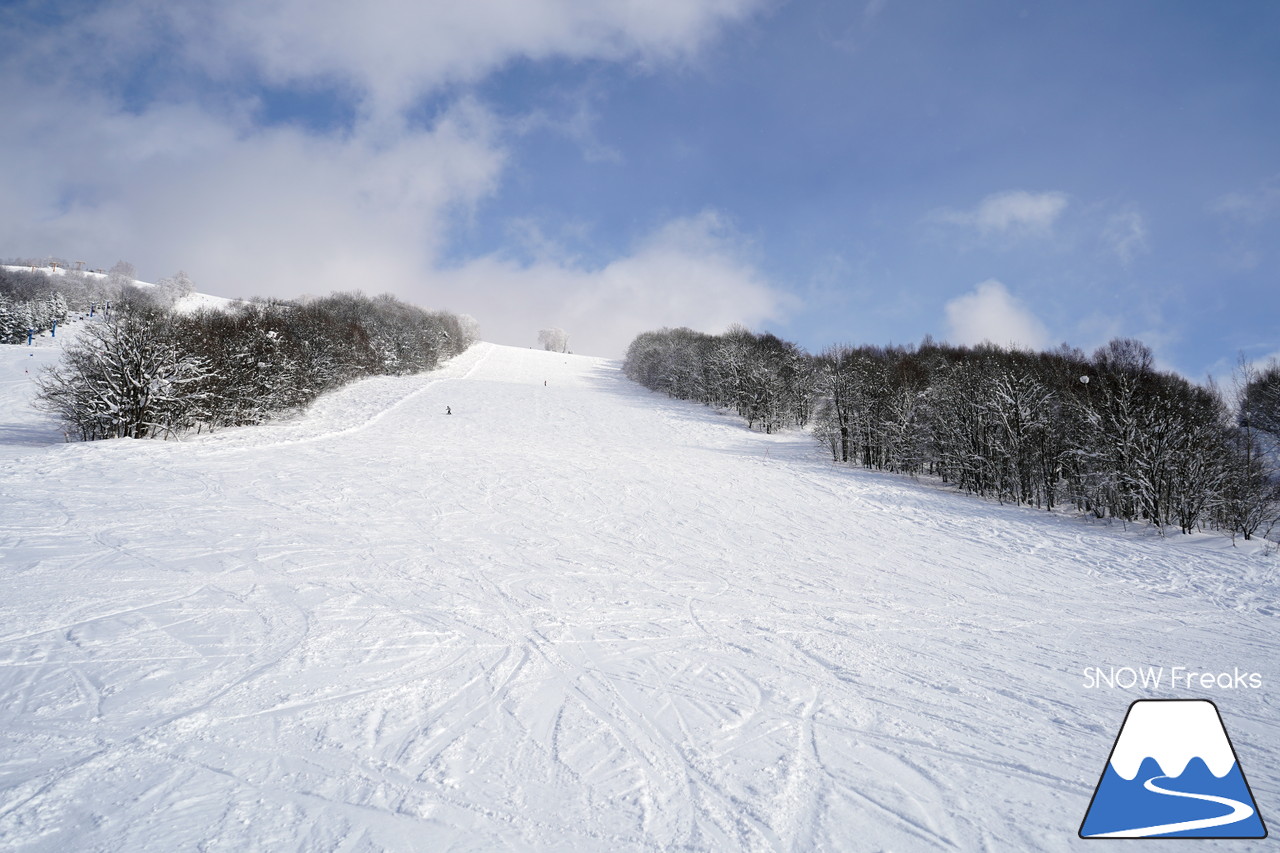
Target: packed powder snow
573, 615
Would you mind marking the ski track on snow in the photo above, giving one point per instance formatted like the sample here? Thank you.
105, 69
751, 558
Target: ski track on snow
571, 616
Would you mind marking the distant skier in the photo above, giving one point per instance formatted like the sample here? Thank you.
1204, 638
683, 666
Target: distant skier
448, 410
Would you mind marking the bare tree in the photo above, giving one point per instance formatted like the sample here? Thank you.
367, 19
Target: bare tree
1110, 433
1250, 501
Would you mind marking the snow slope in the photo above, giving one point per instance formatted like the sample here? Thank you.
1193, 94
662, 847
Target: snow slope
22, 428
190, 303
571, 616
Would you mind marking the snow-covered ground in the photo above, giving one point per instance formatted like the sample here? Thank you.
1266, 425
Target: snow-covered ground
190, 303
24, 430
570, 616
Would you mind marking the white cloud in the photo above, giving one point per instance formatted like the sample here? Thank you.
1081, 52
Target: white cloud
393, 51
991, 313
1126, 235
690, 272
1246, 219
873, 9
1251, 206
280, 212
194, 183
1012, 213
247, 211
574, 117
1265, 362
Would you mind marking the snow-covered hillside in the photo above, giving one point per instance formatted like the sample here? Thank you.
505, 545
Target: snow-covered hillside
190, 303
572, 615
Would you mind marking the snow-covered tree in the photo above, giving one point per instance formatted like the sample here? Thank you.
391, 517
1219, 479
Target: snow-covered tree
469, 328
10, 323
124, 271
124, 378
553, 340
58, 310
173, 288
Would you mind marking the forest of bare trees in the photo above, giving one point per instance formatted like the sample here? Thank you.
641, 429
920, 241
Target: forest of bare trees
1107, 434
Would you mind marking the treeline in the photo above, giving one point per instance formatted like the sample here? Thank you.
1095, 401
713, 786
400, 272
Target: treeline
769, 382
1108, 434
33, 300
28, 302
145, 372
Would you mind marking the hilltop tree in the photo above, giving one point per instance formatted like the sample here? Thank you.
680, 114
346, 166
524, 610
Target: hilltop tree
554, 340
120, 276
170, 290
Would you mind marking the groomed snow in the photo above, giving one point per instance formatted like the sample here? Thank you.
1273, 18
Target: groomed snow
24, 430
571, 616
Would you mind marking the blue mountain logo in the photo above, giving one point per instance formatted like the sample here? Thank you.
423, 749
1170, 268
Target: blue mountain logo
1172, 773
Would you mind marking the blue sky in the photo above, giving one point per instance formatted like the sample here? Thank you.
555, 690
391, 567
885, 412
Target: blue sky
834, 172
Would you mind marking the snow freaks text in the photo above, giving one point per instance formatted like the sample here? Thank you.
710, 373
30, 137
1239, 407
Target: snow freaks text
1170, 678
